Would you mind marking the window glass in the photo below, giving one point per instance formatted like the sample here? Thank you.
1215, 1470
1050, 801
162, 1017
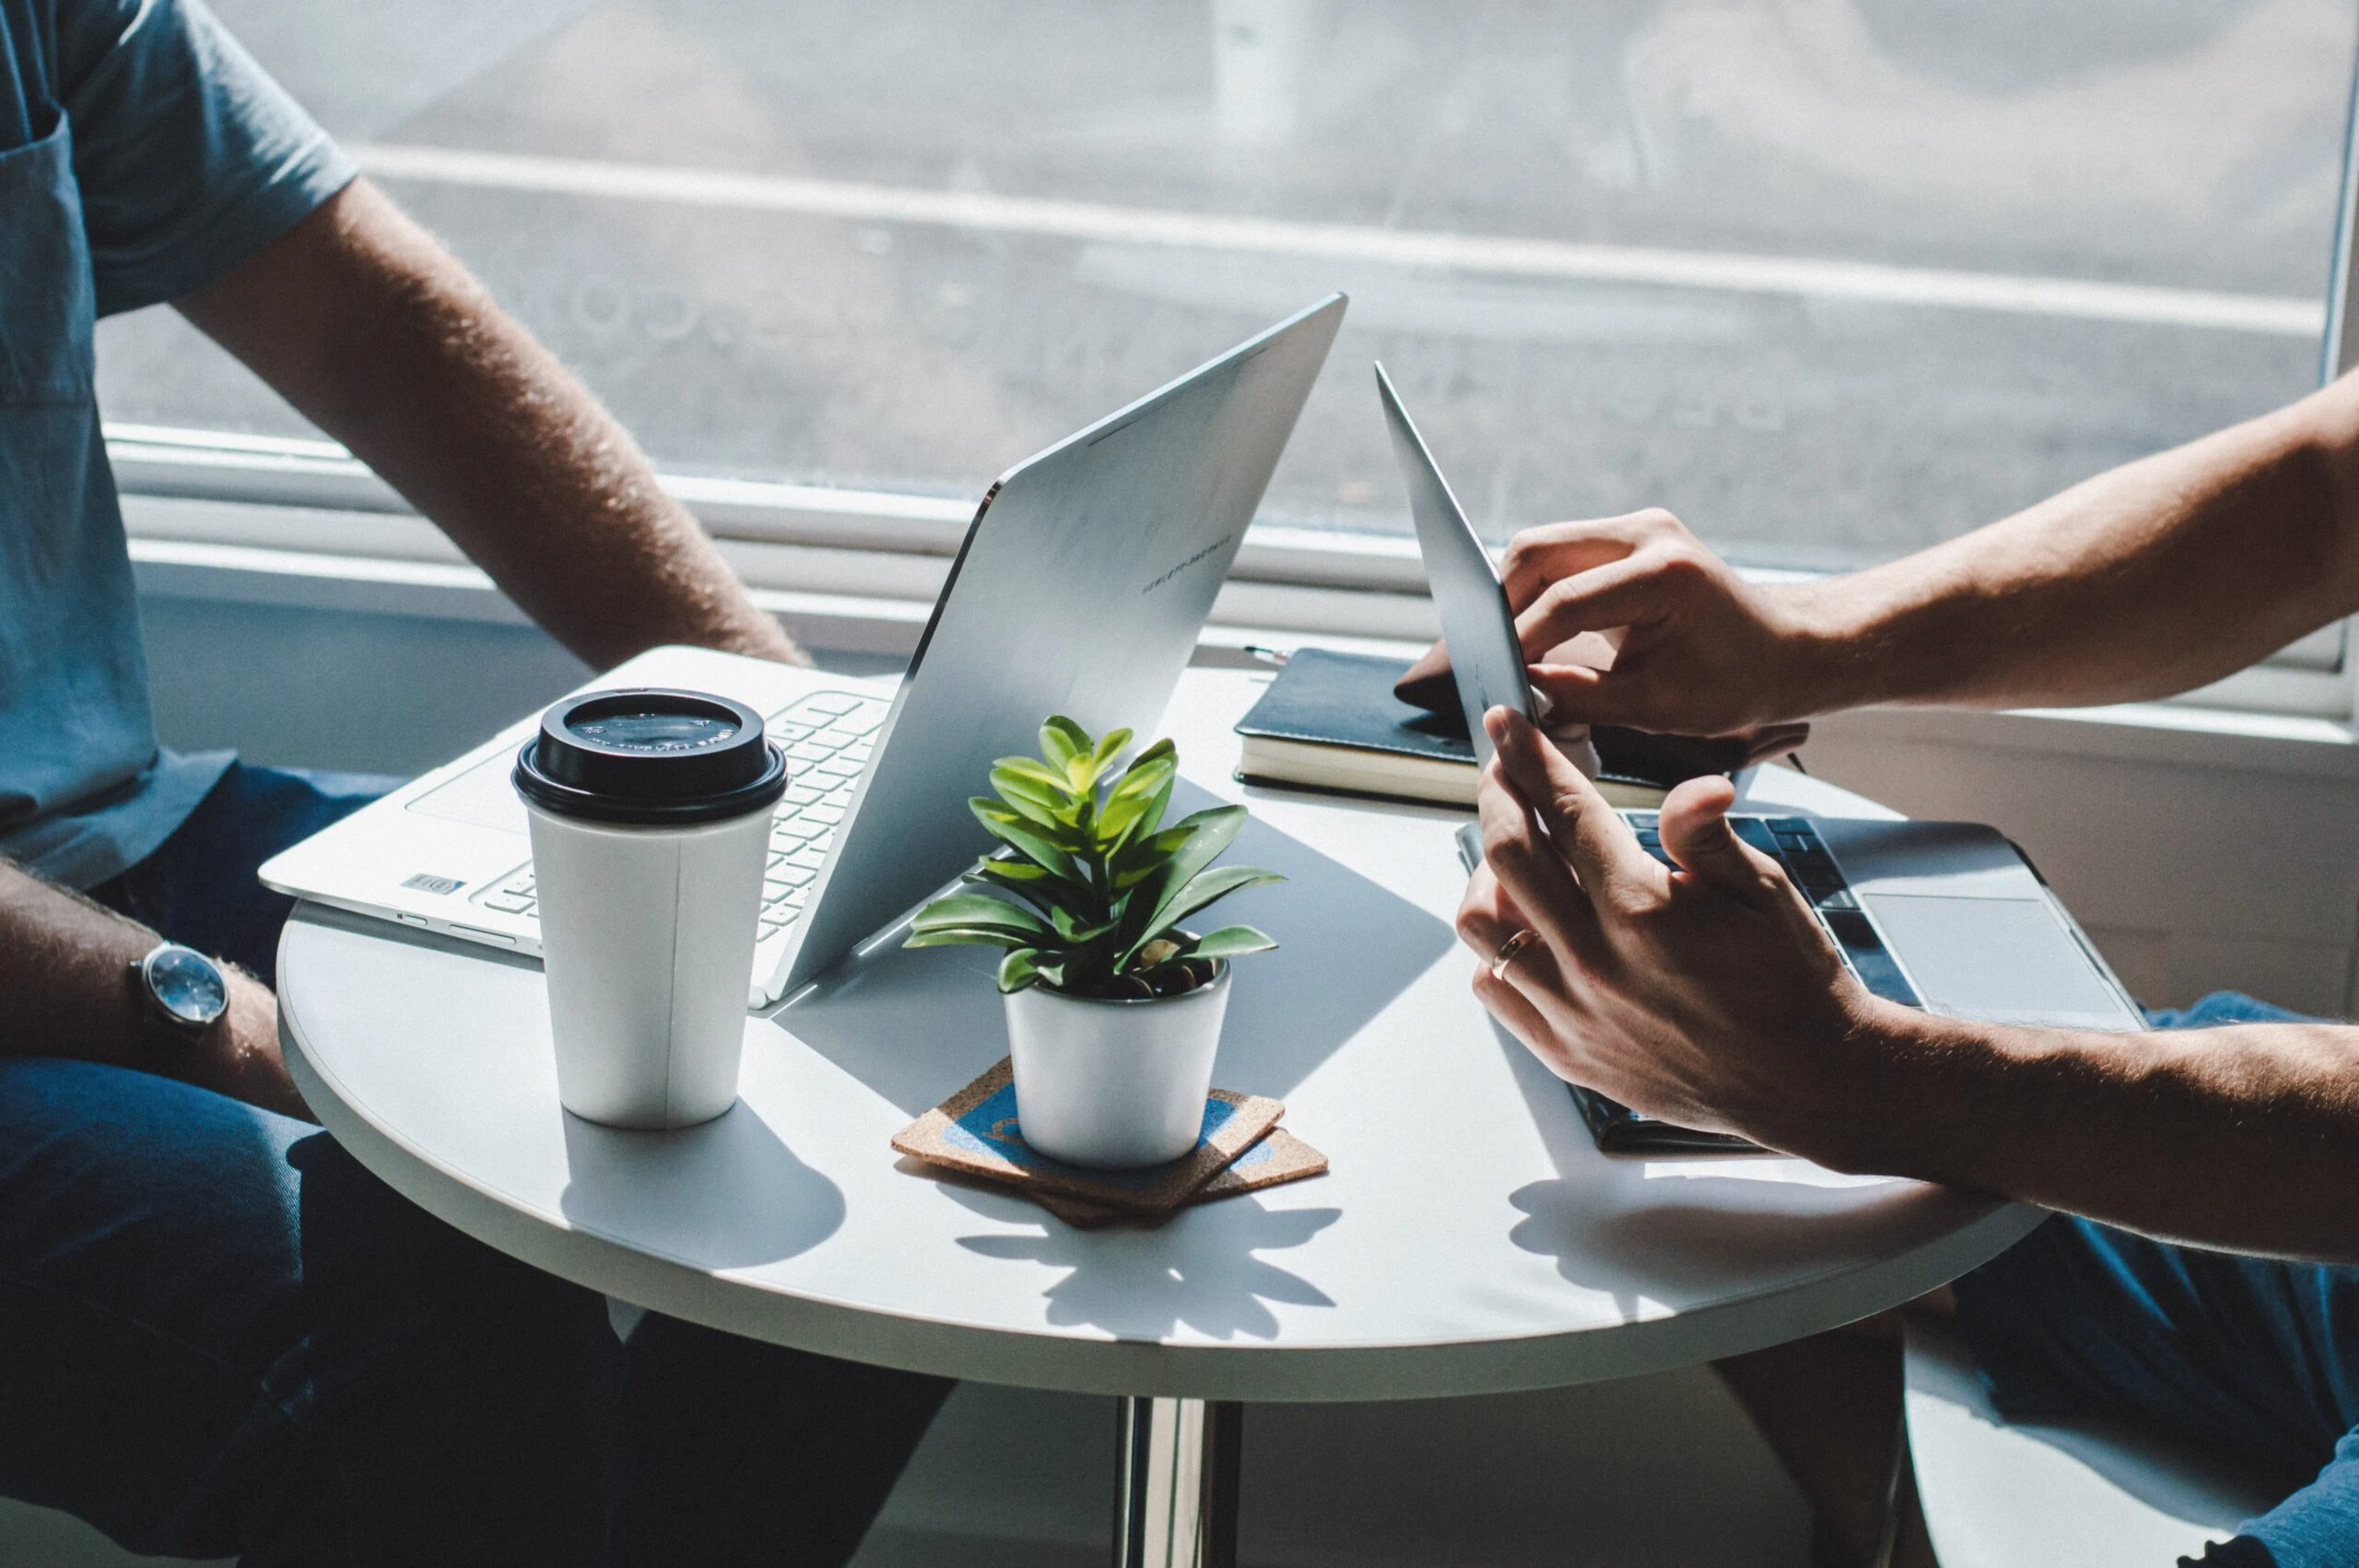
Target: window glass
1831, 278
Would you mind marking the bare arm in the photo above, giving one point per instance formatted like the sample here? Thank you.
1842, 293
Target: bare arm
2244, 1137
383, 339
1710, 997
2158, 577
65, 969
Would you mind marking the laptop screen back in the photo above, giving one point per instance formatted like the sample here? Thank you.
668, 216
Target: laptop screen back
1476, 621
1081, 588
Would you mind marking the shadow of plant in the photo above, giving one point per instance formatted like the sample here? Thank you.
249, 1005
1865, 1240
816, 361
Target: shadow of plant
1199, 1270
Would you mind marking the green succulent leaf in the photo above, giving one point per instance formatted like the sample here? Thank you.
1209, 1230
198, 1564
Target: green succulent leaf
1015, 875
1050, 781
1143, 856
1147, 907
1229, 941
978, 910
1018, 969
1139, 907
965, 936
1145, 772
1020, 778
1150, 817
1062, 741
1207, 834
1053, 817
1039, 888
1077, 929
1026, 836
1090, 881
1135, 805
1102, 757
1207, 886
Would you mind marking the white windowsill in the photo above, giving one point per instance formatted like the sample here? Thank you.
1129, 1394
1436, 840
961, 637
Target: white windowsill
448, 590
2145, 733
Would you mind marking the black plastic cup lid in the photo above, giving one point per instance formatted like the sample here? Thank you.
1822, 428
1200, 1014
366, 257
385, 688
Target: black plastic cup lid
650, 756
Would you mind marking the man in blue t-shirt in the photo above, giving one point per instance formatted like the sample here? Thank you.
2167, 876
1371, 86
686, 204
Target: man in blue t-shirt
217, 1334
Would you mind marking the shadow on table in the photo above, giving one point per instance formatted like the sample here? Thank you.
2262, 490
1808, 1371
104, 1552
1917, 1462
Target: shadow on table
726, 1195
1199, 1271
1643, 1227
914, 1027
1642, 1230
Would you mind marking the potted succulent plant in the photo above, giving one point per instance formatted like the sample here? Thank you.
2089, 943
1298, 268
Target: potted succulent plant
1113, 1009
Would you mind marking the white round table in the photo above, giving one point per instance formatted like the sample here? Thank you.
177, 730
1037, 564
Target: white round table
1468, 1239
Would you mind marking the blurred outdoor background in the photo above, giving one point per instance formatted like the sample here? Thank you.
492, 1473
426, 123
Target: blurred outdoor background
1831, 278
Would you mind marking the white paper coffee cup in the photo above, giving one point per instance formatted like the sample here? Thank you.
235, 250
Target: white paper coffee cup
650, 815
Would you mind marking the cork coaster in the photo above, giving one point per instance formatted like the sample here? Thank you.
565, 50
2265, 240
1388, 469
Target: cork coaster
1279, 1157
975, 1131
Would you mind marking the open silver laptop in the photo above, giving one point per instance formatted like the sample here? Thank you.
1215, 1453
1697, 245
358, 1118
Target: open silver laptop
1079, 588
1946, 916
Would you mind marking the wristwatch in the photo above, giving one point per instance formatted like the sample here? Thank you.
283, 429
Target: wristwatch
182, 988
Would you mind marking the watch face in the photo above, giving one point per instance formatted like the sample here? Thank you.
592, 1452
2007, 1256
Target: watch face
186, 983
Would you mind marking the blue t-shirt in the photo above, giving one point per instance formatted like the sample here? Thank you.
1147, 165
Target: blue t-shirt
143, 155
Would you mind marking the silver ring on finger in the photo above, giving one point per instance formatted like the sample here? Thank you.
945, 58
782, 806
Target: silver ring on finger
1511, 950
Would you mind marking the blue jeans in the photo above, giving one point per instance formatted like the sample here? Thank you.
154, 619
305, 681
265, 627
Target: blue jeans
220, 1335
2256, 1358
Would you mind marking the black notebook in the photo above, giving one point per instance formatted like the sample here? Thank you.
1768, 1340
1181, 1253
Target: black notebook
1330, 722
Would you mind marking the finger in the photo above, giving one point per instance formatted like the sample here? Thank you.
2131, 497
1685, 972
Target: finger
1595, 842
1490, 927
1488, 919
1577, 695
1695, 832
1529, 999
1533, 974
1487, 915
1513, 1009
1595, 650
1621, 593
1531, 872
1538, 556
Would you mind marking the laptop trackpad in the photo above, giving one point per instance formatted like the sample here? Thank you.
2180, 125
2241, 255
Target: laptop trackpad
2002, 960
481, 796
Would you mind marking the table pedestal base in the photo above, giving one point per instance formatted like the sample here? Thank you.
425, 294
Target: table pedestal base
1176, 1483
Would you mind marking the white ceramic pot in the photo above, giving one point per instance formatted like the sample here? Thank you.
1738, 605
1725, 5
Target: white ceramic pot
1114, 1084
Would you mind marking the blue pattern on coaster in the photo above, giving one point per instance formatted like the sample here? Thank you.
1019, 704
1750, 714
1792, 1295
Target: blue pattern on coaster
1260, 1154
990, 1128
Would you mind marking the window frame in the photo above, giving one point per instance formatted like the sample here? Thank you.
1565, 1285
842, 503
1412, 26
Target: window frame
892, 550
880, 556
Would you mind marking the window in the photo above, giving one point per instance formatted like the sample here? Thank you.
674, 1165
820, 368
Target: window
1831, 278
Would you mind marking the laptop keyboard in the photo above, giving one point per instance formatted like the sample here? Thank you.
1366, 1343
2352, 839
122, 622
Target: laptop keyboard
828, 738
1794, 843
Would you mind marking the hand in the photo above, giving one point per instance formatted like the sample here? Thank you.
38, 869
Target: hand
1708, 996
239, 1056
1700, 652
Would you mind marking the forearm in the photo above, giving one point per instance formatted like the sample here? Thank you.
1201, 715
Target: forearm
2244, 1137
378, 336
65, 967
2152, 578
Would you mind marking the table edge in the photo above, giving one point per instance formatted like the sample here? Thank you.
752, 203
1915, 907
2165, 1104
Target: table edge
1111, 1366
